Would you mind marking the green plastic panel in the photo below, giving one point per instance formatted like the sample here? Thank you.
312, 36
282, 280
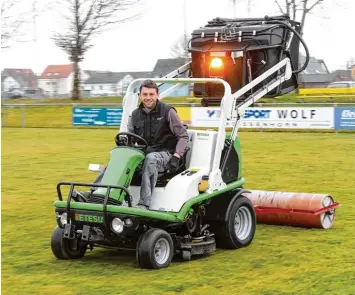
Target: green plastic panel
120, 169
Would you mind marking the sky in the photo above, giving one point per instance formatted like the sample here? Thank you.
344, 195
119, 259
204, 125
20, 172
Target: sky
136, 45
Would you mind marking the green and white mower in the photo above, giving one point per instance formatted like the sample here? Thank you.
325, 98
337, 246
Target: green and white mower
192, 211
199, 208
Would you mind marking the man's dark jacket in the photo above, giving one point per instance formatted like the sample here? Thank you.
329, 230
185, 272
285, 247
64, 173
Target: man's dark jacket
154, 127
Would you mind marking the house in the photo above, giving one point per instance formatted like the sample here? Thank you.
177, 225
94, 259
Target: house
166, 66
316, 74
111, 83
315, 66
57, 80
19, 79
342, 75
314, 80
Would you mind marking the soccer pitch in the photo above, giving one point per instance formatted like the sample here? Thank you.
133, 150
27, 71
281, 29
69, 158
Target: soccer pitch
280, 260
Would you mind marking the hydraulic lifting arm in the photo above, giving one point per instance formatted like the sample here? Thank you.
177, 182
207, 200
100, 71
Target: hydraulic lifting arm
282, 76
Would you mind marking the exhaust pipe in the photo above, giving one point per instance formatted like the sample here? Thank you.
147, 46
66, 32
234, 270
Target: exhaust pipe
294, 209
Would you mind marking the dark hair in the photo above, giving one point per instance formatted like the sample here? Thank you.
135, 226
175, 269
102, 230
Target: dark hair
149, 84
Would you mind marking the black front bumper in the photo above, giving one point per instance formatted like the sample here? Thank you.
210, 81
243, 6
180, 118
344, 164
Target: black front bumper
105, 214
90, 226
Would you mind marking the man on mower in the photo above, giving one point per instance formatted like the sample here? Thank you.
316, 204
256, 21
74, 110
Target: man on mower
167, 138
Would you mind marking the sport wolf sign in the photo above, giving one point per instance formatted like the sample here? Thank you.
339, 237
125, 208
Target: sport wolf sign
298, 118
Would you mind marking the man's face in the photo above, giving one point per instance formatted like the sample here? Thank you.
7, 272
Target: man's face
149, 97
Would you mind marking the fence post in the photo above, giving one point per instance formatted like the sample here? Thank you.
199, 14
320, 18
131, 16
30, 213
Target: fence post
3, 117
72, 118
23, 116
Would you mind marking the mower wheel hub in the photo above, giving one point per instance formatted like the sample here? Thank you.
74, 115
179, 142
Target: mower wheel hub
162, 251
242, 223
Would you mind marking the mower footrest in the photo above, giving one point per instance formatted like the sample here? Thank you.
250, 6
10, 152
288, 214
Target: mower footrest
85, 233
69, 231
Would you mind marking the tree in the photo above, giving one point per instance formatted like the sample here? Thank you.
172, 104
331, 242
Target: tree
179, 48
13, 19
298, 9
87, 19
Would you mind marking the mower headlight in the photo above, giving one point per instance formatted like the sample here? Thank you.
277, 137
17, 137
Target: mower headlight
63, 218
117, 225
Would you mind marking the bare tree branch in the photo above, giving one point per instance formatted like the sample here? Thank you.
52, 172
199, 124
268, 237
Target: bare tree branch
13, 19
287, 7
294, 7
280, 8
179, 48
312, 6
304, 14
87, 19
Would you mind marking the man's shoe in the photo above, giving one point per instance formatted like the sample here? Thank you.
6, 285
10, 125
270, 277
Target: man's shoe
143, 207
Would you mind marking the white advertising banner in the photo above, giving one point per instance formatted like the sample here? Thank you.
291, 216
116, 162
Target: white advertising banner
298, 118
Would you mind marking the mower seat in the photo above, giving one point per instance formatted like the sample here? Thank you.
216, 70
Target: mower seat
164, 177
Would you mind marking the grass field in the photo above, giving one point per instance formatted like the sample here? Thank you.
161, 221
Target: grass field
281, 260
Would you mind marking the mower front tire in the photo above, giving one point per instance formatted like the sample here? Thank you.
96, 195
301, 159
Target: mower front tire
239, 228
64, 248
155, 249
56, 243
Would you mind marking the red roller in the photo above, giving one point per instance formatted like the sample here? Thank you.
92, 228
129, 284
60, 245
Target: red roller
296, 209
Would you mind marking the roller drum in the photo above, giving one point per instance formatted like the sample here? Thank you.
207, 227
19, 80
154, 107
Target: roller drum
295, 209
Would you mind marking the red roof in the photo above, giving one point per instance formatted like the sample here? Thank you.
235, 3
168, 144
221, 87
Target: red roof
57, 71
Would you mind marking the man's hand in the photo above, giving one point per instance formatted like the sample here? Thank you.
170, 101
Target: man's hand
174, 163
122, 141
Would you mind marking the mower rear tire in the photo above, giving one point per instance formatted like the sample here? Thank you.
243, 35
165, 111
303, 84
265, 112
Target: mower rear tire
65, 248
155, 249
239, 228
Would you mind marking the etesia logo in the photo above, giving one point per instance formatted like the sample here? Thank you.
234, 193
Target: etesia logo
202, 134
348, 114
89, 218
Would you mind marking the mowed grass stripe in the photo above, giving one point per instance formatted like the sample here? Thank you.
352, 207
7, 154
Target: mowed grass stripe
281, 260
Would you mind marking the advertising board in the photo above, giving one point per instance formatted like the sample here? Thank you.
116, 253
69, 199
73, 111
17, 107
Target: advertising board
344, 118
97, 116
298, 118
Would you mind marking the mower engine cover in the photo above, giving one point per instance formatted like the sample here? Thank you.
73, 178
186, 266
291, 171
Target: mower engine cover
120, 170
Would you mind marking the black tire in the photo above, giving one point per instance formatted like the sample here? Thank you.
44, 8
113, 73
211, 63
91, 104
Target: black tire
56, 243
155, 249
64, 248
233, 235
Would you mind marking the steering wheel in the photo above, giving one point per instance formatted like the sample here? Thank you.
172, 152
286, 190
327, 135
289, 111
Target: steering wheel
130, 136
